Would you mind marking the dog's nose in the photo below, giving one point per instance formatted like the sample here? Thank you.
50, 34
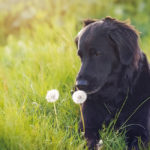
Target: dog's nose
81, 84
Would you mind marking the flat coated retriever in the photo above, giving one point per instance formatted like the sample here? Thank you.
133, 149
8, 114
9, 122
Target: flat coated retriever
116, 76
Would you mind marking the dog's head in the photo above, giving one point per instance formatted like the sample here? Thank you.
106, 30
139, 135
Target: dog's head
104, 45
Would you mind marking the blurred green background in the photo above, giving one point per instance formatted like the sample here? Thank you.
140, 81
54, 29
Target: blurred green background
37, 53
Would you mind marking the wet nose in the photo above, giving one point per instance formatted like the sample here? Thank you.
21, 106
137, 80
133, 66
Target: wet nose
81, 84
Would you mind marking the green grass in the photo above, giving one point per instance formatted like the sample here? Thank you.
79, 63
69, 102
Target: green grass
38, 55
28, 69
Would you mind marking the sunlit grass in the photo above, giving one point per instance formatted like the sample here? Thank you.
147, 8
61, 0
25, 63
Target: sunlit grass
31, 65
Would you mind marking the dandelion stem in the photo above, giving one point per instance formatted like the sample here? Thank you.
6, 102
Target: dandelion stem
55, 114
82, 118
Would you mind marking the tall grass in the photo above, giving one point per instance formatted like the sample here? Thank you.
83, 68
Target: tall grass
38, 54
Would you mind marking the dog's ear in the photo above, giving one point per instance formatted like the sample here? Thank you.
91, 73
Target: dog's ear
88, 21
125, 41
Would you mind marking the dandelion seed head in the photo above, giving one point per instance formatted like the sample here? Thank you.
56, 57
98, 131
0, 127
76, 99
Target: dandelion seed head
79, 97
52, 95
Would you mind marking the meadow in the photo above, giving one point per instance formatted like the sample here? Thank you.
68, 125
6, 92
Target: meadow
37, 54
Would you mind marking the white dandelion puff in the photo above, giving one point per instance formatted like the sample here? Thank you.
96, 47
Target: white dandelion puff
79, 97
52, 96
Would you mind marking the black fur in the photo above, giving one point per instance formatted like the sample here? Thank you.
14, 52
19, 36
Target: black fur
113, 62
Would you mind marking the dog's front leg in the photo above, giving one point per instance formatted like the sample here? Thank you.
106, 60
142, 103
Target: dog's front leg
92, 137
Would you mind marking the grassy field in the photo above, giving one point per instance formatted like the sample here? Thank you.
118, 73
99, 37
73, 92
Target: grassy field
37, 53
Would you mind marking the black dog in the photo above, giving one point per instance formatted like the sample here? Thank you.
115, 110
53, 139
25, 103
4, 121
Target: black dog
114, 73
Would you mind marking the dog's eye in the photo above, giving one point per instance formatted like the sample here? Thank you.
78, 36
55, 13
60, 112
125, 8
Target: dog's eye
97, 53
94, 52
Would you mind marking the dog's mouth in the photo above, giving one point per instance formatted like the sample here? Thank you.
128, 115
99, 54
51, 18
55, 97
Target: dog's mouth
88, 91
95, 90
